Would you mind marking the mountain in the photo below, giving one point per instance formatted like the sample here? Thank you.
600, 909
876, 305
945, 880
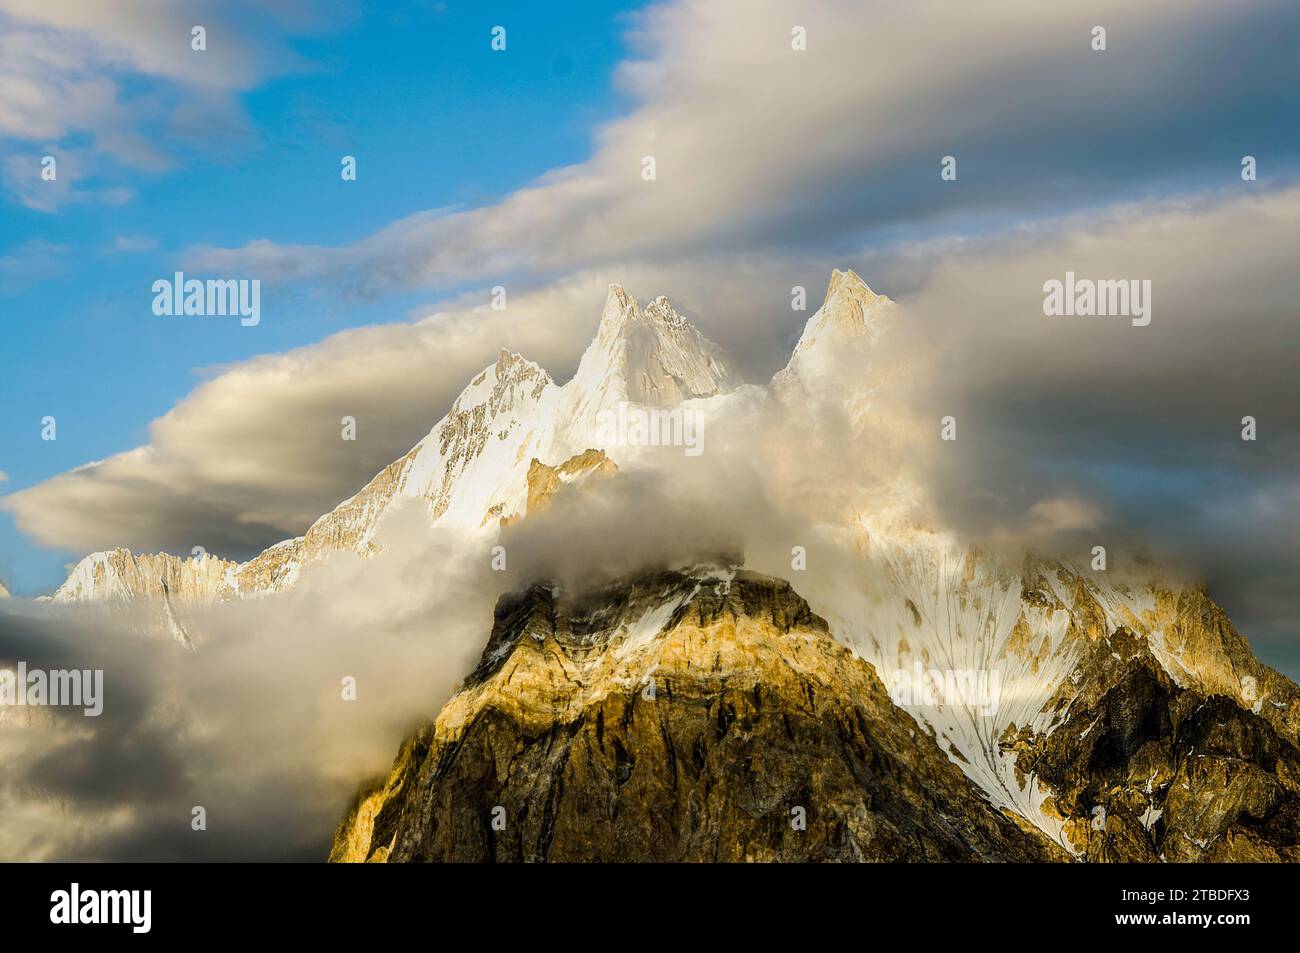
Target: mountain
683, 715
839, 335
1044, 665
472, 469
1048, 629
653, 357
697, 715
1047, 634
722, 700
4, 593
120, 574
472, 465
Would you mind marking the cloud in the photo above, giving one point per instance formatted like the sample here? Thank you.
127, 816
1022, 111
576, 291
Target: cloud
759, 148
1171, 394
142, 36
772, 166
127, 243
252, 726
22, 174
123, 78
1067, 426
1130, 437
1064, 514
254, 454
31, 262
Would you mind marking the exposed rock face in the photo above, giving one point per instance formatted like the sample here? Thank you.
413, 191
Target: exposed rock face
933, 606
1199, 647
544, 482
681, 716
1143, 770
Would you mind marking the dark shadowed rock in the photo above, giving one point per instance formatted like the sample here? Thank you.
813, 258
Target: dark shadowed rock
1142, 769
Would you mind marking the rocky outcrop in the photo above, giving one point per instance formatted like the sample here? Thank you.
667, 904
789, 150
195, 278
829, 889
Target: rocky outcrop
546, 481
1144, 770
933, 609
690, 716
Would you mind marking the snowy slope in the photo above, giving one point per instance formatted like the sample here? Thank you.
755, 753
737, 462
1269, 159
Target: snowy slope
852, 318
471, 470
934, 607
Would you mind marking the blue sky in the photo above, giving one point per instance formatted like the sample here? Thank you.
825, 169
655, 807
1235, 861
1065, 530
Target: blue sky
435, 119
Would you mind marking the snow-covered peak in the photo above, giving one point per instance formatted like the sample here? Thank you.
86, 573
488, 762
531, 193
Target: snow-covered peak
851, 318
851, 311
619, 306
661, 312
849, 282
511, 379
4, 593
474, 451
651, 356
97, 576
471, 469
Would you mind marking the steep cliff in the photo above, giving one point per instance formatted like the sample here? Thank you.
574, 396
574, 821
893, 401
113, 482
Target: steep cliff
1142, 769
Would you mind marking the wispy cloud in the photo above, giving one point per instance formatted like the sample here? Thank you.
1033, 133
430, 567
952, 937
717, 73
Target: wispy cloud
24, 174
31, 262
74, 70
128, 244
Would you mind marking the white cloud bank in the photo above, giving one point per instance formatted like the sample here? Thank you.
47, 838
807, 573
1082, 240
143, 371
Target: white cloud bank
67, 70
759, 147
